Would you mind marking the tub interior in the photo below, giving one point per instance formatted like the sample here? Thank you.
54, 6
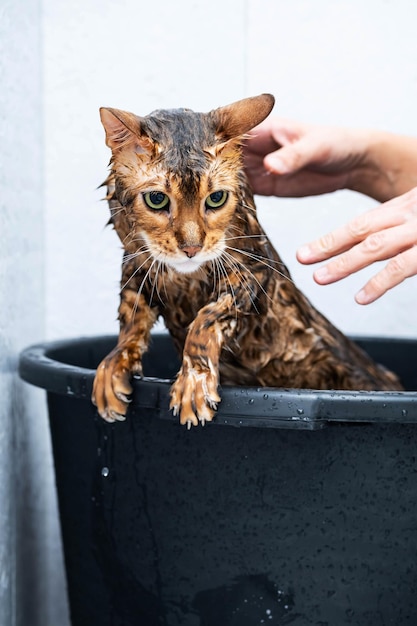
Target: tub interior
161, 361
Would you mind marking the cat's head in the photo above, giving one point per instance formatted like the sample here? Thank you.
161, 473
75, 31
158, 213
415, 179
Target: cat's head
178, 175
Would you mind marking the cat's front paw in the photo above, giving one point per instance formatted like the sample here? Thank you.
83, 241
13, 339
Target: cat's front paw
194, 394
112, 387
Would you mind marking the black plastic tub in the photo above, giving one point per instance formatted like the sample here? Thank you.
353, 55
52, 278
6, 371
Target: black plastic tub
306, 513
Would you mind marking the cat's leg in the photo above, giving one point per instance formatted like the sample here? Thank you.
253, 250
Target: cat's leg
194, 395
112, 384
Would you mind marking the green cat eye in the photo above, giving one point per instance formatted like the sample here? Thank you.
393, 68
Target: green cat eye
216, 199
156, 200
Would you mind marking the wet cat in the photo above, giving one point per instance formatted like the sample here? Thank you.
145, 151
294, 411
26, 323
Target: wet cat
195, 253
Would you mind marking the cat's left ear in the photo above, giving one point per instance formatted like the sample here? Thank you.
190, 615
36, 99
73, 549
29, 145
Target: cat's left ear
234, 120
124, 129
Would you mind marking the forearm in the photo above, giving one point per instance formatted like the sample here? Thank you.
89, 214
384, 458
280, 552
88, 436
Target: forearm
388, 167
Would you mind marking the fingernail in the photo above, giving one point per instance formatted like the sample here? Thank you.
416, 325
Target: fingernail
304, 253
362, 297
322, 274
276, 165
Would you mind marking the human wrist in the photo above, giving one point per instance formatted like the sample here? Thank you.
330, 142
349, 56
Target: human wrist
369, 176
387, 166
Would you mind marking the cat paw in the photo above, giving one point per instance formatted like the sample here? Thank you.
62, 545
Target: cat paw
194, 396
112, 388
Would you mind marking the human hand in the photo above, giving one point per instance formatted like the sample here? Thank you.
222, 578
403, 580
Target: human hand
388, 232
292, 159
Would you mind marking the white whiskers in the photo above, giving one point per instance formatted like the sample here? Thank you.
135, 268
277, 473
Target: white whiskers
152, 270
235, 266
139, 291
261, 259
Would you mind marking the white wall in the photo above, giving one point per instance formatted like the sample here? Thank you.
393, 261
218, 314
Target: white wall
32, 591
341, 63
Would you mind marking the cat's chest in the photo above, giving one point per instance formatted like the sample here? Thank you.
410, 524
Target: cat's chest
182, 300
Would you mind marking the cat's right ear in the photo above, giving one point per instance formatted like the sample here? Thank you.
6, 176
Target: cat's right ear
237, 119
124, 129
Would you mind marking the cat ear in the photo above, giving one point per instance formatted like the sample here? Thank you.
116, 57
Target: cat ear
123, 130
240, 117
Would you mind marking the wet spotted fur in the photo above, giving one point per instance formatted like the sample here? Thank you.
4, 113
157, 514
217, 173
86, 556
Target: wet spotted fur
195, 253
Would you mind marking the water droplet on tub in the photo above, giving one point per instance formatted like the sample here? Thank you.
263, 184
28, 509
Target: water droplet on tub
266, 396
105, 472
251, 401
404, 412
300, 411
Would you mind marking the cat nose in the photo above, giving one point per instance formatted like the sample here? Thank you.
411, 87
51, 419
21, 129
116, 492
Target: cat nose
191, 251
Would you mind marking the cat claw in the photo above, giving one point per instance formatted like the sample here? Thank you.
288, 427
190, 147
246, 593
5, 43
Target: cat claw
212, 403
112, 416
194, 398
123, 397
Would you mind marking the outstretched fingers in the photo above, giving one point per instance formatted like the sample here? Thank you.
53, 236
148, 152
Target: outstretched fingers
385, 233
352, 233
399, 268
379, 246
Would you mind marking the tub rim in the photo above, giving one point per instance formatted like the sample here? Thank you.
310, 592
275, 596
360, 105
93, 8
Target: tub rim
306, 409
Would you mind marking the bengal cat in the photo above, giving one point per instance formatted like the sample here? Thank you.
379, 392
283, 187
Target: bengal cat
195, 254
